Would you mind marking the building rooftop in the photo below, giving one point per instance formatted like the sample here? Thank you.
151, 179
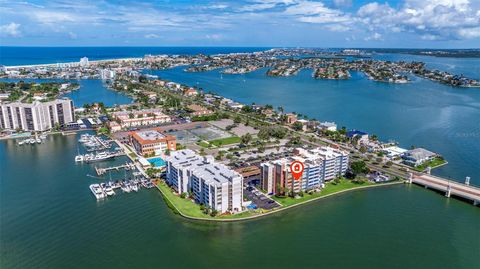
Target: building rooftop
419, 153
203, 166
150, 135
353, 133
312, 156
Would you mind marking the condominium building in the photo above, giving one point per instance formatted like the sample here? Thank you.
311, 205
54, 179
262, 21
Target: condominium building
209, 183
152, 142
36, 116
320, 165
128, 119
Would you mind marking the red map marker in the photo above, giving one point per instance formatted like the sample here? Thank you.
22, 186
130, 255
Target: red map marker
296, 168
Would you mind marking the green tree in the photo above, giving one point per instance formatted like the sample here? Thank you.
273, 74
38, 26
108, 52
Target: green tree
363, 149
246, 138
297, 126
237, 119
359, 167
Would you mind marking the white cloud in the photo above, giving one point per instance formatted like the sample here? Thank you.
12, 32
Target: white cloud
214, 37
317, 12
12, 29
260, 5
470, 32
431, 19
374, 36
151, 36
72, 35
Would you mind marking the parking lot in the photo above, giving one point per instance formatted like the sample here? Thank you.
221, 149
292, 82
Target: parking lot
259, 198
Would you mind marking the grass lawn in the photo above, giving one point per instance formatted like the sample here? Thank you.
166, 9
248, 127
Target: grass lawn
191, 209
225, 141
329, 189
433, 163
203, 144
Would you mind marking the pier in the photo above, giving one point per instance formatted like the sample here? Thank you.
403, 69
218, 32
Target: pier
126, 166
449, 187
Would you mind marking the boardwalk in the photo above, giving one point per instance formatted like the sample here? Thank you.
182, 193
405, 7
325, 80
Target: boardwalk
450, 187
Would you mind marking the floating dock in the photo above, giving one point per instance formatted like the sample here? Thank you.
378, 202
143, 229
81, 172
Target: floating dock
126, 166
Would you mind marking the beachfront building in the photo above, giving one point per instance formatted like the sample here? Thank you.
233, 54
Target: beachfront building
359, 136
36, 116
209, 183
418, 156
129, 119
328, 126
320, 165
152, 142
290, 118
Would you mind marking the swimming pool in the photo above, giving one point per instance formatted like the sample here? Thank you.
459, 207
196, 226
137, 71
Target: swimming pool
157, 162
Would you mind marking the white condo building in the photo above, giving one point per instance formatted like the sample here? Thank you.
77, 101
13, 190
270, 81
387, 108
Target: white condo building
320, 165
210, 183
36, 116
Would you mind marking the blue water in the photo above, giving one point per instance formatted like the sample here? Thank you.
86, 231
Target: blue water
44, 55
157, 162
91, 91
422, 113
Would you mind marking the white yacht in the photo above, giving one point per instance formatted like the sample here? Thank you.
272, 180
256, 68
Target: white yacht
135, 187
97, 191
109, 190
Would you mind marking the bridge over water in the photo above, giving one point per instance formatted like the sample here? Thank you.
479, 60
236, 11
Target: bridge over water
449, 187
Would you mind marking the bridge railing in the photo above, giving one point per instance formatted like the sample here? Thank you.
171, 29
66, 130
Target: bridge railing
448, 180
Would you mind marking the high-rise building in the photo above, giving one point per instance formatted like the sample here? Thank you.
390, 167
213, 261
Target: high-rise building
84, 62
36, 116
209, 183
320, 165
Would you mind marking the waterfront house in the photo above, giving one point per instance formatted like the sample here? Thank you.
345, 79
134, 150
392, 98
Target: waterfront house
418, 156
362, 137
328, 126
290, 118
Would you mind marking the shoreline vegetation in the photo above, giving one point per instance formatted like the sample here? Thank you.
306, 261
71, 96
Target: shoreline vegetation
190, 210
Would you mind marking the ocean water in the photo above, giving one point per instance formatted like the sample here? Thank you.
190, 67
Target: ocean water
426, 114
49, 218
48, 55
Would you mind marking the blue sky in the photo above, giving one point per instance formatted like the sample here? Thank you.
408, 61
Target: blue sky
328, 23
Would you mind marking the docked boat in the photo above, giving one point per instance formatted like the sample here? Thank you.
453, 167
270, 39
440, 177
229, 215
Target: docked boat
126, 187
84, 138
79, 158
135, 187
102, 156
109, 190
97, 191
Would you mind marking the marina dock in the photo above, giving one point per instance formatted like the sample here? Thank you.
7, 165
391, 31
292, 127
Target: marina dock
127, 166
